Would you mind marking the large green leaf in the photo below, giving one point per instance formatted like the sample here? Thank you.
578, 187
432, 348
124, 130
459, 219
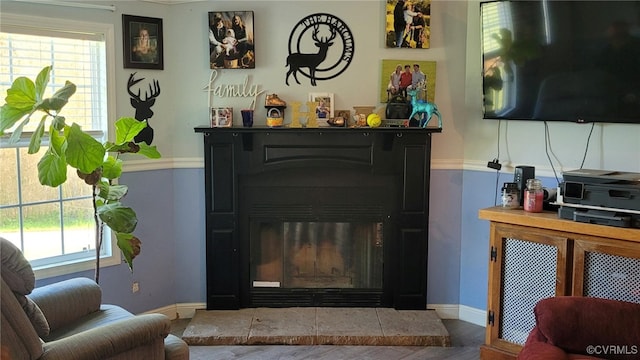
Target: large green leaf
41, 82
149, 151
59, 98
17, 132
36, 138
22, 94
9, 116
130, 247
118, 217
121, 148
83, 151
57, 142
58, 122
112, 168
113, 192
127, 128
52, 170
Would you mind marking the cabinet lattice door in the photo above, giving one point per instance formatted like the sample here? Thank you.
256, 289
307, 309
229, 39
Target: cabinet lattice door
607, 269
528, 275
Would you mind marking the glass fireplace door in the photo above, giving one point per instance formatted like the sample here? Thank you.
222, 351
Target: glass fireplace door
328, 255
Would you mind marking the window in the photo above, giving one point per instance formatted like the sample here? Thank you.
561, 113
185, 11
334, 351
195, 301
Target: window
54, 226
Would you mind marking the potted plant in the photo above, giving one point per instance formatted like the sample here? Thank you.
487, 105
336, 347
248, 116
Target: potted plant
98, 164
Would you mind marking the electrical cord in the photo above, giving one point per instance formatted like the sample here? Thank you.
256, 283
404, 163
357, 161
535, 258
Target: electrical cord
547, 142
586, 148
547, 146
497, 160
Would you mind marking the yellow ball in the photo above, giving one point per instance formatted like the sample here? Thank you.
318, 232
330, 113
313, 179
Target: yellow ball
373, 120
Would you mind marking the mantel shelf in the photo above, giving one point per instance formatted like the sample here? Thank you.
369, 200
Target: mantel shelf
266, 129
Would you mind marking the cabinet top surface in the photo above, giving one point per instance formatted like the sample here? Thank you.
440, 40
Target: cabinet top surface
550, 220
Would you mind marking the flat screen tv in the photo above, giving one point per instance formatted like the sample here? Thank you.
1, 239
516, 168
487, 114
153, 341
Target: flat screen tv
573, 61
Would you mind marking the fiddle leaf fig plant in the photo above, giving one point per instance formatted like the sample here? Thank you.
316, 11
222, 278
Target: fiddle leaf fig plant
98, 164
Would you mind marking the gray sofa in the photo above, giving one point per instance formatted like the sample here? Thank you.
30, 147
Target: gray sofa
66, 320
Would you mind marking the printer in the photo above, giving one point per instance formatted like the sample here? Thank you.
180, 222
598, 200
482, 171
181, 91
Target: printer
600, 197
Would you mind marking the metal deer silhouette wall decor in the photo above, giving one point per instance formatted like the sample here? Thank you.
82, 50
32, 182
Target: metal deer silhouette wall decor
320, 48
143, 106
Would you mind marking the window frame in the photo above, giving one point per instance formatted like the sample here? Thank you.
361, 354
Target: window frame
28, 24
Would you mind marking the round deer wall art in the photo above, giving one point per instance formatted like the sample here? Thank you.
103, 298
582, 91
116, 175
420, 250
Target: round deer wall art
321, 47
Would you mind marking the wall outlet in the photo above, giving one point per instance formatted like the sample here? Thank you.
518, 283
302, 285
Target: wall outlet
135, 287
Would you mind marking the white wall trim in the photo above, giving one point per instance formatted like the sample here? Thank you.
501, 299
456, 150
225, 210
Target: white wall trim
71, 4
162, 164
168, 311
444, 311
473, 315
447, 164
178, 311
436, 164
460, 312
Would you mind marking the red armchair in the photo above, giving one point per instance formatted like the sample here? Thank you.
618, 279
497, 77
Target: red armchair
571, 327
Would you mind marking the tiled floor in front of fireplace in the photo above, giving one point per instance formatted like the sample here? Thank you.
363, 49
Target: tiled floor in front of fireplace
317, 326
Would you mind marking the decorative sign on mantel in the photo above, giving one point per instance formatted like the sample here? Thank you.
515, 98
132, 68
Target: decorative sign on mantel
241, 90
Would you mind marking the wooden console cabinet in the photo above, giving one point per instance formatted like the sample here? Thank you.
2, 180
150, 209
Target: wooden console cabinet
538, 255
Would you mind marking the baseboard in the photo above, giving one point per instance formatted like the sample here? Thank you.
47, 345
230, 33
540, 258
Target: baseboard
444, 311
460, 312
178, 311
473, 315
187, 310
169, 311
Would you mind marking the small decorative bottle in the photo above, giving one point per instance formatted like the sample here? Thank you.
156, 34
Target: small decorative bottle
510, 198
533, 196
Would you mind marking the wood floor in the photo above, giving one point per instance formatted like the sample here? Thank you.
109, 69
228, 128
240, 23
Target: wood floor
466, 339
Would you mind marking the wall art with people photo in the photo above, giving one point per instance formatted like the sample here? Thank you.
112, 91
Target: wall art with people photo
231, 41
408, 24
324, 105
399, 76
222, 117
142, 40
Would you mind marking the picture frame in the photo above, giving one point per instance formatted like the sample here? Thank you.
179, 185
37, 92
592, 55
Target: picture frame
415, 34
231, 40
221, 117
325, 108
427, 67
142, 42
345, 114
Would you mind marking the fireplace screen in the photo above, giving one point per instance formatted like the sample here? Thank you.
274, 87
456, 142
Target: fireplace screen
326, 255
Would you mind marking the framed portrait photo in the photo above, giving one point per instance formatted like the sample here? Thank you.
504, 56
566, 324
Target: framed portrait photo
142, 41
408, 24
231, 41
221, 117
325, 105
423, 77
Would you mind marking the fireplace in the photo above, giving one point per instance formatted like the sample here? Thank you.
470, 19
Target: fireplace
316, 217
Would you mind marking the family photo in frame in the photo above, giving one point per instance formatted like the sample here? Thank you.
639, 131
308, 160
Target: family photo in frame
222, 117
393, 73
142, 39
325, 106
231, 42
408, 24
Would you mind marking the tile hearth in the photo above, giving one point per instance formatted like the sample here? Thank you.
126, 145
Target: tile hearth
317, 326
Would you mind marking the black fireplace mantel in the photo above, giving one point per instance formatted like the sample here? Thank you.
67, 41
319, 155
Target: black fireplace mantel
235, 157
